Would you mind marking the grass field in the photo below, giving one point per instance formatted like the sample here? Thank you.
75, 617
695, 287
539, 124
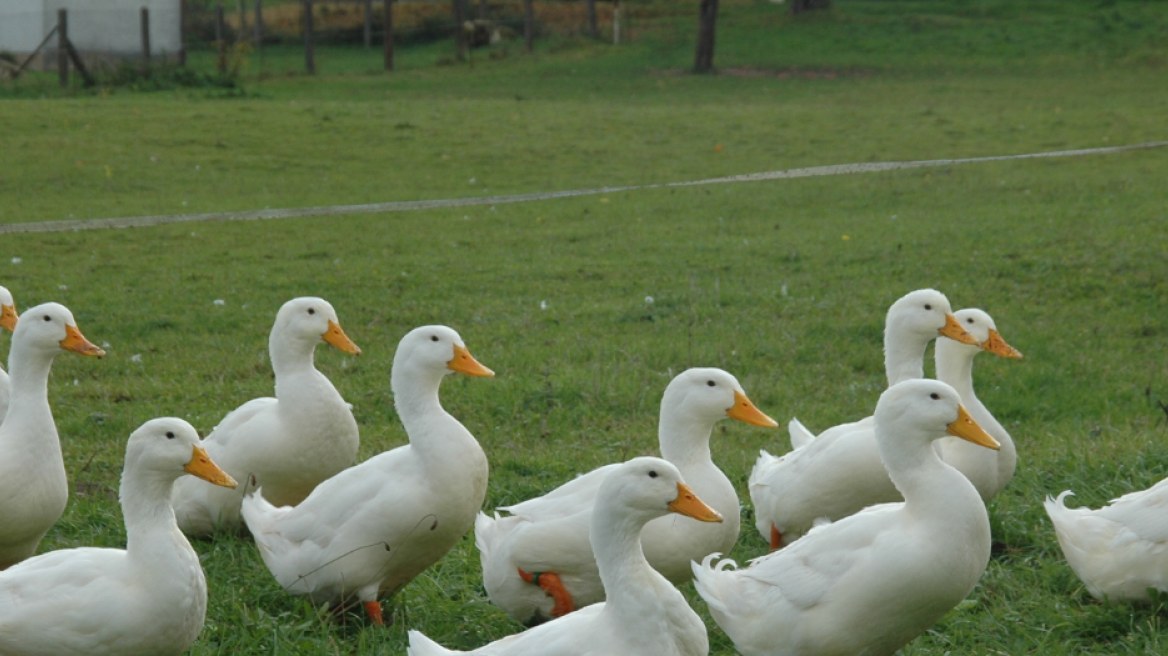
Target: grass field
782, 283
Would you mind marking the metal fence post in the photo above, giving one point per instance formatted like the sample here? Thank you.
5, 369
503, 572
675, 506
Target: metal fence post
63, 46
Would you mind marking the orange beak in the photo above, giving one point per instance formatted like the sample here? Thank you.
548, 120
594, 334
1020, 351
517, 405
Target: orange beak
464, 363
953, 330
8, 317
744, 410
200, 465
687, 503
969, 430
334, 336
76, 342
998, 346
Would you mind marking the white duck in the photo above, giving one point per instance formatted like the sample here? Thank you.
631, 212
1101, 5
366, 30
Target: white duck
1120, 550
364, 533
149, 599
287, 444
33, 485
8, 322
839, 472
989, 471
643, 613
871, 582
549, 534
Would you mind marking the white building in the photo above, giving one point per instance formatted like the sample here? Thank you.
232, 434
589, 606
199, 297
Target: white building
96, 27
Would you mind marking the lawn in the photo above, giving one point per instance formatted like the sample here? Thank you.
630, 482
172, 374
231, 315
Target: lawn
782, 283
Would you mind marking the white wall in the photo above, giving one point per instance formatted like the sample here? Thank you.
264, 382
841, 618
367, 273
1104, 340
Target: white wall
95, 26
22, 25
115, 26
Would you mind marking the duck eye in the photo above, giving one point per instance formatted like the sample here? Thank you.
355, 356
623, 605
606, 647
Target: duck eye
935, 396
928, 307
433, 338
169, 435
652, 474
311, 311
48, 318
710, 383
969, 320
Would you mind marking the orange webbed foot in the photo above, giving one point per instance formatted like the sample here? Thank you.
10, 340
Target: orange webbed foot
373, 610
550, 583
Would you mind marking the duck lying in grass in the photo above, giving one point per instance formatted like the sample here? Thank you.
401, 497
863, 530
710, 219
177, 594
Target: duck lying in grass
7, 322
643, 612
548, 535
287, 444
871, 582
150, 598
33, 485
839, 472
364, 533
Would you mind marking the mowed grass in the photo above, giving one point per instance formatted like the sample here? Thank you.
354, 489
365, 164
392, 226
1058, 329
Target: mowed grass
784, 284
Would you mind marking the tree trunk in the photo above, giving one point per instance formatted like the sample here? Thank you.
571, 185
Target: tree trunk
707, 18
459, 33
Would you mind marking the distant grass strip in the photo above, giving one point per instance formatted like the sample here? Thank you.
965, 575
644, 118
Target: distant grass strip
405, 206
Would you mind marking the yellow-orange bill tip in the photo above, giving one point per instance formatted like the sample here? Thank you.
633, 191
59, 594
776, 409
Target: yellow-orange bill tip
8, 317
998, 346
953, 330
76, 342
744, 410
336, 337
969, 430
464, 363
200, 465
687, 503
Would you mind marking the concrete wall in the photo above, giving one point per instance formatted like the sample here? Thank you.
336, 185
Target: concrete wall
95, 26
22, 25
115, 26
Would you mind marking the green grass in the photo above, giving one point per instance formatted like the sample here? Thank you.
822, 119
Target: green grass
1068, 255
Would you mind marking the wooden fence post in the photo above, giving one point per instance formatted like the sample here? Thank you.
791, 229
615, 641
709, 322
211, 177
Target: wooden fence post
367, 5
242, 21
528, 24
707, 18
63, 47
388, 8
259, 23
221, 59
146, 37
309, 44
459, 34
616, 22
182, 32
483, 9
592, 30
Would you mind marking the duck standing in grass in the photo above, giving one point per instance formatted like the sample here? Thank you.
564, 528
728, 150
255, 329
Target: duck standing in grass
839, 472
873, 581
33, 484
7, 322
287, 444
643, 613
1119, 551
364, 533
549, 534
148, 600
988, 470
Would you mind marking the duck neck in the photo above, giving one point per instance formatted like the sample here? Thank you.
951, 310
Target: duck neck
415, 395
290, 356
684, 440
151, 530
626, 574
28, 401
923, 480
955, 367
904, 356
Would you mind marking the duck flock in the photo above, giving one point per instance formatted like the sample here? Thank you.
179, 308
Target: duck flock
877, 527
